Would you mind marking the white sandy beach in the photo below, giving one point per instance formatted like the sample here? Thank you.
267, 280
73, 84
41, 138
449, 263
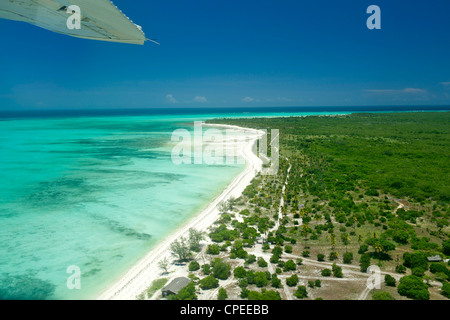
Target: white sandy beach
142, 274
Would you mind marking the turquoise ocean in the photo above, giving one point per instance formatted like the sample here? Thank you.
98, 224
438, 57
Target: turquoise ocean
96, 190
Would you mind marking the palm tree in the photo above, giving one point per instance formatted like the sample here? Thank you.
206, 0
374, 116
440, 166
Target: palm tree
333, 242
305, 232
345, 240
378, 247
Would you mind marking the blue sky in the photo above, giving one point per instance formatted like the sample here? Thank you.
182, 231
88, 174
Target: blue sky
227, 53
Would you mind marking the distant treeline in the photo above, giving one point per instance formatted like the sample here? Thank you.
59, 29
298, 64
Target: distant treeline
402, 154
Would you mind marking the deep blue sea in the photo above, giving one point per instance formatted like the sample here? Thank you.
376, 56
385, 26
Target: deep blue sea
97, 189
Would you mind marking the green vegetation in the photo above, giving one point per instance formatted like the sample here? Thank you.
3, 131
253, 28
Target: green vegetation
326, 272
446, 290
413, 287
348, 257
206, 269
209, 282
213, 249
289, 266
382, 295
337, 271
301, 292
187, 293
222, 294
264, 295
261, 279
292, 280
262, 263
389, 280
194, 266
240, 273
362, 189
156, 285
276, 283
220, 269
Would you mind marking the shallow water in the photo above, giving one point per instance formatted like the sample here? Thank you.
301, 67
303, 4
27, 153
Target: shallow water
96, 193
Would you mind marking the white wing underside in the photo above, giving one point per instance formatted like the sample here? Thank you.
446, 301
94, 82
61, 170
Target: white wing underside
100, 19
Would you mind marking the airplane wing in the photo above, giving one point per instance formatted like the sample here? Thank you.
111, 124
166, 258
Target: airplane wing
100, 19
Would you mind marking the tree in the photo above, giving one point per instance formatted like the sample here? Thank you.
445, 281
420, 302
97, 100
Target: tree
288, 249
439, 268
187, 293
222, 294
301, 292
240, 272
254, 295
389, 280
270, 295
220, 269
381, 247
238, 250
261, 279
415, 259
345, 240
337, 271
164, 265
364, 262
363, 248
333, 242
326, 272
320, 257
446, 247
292, 280
276, 283
348, 257
223, 207
261, 262
401, 236
446, 290
194, 266
277, 251
413, 287
251, 258
180, 248
289, 266
274, 259
244, 293
333, 256
400, 269
213, 249
195, 237
264, 295
206, 269
209, 283
305, 232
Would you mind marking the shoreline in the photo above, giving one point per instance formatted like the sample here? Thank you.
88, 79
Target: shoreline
141, 275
